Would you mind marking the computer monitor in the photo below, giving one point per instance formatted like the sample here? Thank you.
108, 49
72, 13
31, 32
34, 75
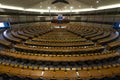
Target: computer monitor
60, 17
4, 25
116, 25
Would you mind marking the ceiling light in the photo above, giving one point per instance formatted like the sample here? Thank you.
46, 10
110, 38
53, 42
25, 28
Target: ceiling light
109, 6
11, 7
97, 1
40, 6
49, 7
79, 6
83, 10
71, 7
36, 10
60, 11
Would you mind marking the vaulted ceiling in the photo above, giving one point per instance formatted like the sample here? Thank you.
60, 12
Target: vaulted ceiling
59, 5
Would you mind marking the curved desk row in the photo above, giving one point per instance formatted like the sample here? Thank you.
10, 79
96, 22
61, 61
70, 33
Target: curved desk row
59, 58
59, 49
34, 73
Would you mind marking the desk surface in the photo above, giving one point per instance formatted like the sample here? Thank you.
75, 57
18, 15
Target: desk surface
59, 73
58, 58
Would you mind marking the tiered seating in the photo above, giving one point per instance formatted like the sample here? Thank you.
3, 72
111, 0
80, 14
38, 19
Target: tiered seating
10, 37
19, 35
101, 36
73, 53
106, 34
45, 73
15, 34
86, 49
59, 44
113, 45
5, 43
60, 57
109, 39
94, 35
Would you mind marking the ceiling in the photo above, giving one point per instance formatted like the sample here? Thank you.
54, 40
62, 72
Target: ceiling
44, 4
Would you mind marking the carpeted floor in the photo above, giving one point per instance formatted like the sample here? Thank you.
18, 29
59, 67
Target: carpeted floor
1, 78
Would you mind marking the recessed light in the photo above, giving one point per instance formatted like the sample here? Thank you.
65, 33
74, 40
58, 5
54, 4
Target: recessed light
97, 1
49, 7
40, 6
71, 7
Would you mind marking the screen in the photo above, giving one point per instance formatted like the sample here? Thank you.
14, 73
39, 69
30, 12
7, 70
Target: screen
60, 18
4, 25
116, 25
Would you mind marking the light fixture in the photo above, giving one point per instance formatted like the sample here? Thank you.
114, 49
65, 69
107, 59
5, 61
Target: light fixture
109, 6
60, 11
71, 7
36, 10
83, 10
11, 7
97, 1
40, 6
49, 7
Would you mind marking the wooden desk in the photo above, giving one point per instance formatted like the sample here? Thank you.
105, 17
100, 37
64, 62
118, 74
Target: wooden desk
94, 35
106, 34
57, 58
10, 38
5, 43
60, 49
59, 44
95, 73
15, 34
113, 45
108, 39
